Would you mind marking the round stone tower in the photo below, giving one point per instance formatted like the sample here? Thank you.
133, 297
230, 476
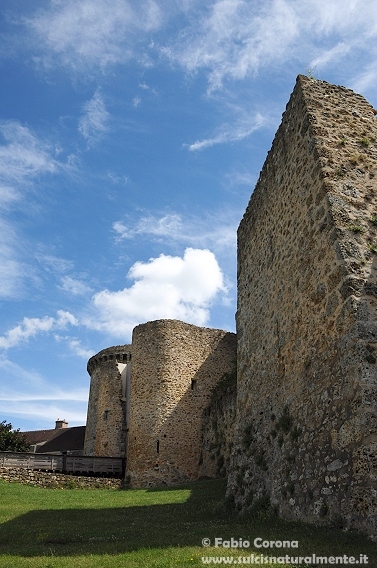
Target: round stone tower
108, 407
175, 367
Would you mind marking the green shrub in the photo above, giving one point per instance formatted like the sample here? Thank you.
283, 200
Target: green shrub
364, 142
356, 228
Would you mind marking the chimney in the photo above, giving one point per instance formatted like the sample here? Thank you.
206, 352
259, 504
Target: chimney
61, 424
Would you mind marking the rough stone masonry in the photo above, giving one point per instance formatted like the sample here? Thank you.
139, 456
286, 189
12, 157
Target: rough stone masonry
175, 367
155, 419
306, 426
303, 436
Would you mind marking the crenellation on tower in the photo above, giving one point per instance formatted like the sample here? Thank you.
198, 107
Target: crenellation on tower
119, 353
108, 406
153, 414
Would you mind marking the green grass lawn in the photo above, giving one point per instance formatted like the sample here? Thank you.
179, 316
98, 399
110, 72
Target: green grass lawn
162, 528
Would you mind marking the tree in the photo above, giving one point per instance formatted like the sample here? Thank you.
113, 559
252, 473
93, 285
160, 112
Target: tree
12, 440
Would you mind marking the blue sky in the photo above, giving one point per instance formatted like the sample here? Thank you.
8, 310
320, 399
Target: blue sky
132, 134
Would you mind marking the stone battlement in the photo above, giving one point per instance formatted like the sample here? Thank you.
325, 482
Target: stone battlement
120, 353
155, 415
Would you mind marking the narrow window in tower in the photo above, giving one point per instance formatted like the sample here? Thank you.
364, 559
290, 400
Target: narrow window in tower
158, 446
193, 384
106, 415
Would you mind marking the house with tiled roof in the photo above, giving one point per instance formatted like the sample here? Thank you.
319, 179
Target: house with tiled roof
60, 439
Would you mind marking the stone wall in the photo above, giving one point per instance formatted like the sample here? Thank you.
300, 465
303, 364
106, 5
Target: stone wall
175, 367
218, 432
106, 419
57, 480
306, 430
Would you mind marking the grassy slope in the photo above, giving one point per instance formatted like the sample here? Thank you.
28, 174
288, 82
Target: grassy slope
144, 528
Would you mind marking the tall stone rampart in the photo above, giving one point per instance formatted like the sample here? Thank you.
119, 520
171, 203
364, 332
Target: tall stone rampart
175, 367
306, 428
218, 432
106, 427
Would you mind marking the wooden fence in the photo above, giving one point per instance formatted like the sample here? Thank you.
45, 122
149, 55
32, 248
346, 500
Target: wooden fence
92, 465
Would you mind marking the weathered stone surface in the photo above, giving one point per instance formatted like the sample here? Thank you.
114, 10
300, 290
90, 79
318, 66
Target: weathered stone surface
57, 480
218, 432
105, 433
306, 424
175, 367
302, 428
158, 426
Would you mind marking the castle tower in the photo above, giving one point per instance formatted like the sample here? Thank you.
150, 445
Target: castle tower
307, 316
108, 407
175, 366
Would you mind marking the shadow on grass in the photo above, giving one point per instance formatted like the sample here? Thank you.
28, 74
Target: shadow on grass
116, 530
120, 529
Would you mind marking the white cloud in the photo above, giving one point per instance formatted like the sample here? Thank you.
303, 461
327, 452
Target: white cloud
27, 394
329, 56
165, 287
165, 226
17, 373
367, 79
93, 33
228, 39
116, 179
232, 39
53, 263
230, 133
30, 327
216, 231
8, 195
11, 275
94, 123
74, 287
146, 87
23, 155
12, 271
73, 412
240, 178
356, 15
65, 318
23, 158
75, 346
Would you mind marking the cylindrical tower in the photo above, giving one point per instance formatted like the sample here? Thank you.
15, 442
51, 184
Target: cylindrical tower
175, 367
106, 425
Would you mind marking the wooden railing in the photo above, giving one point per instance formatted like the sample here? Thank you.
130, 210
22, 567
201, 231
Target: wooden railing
64, 463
